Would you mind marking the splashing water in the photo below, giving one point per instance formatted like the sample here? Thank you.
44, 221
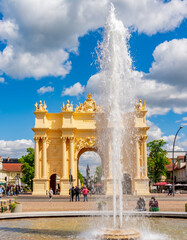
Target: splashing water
117, 97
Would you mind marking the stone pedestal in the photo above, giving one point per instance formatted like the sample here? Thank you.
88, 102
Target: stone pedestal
141, 186
40, 186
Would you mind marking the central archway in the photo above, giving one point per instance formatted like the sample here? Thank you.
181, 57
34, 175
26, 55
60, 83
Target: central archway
90, 168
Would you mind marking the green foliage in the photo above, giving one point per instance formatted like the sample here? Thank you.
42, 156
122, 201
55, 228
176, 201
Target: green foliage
98, 174
28, 167
157, 160
81, 178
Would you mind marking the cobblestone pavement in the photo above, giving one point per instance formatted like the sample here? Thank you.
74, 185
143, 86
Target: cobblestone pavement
61, 203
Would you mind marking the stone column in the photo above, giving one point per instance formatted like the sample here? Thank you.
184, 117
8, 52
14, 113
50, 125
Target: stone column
137, 159
145, 155
44, 158
71, 139
36, 158
64, 167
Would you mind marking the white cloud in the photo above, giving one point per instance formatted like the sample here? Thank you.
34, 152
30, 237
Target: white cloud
154, 133
20, 64
2, 80
151, 17
74, 90
39, 34
170, 61
15, 148
184, 119
160, 97
44, 89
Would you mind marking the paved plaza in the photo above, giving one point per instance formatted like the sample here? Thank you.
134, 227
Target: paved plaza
61, 203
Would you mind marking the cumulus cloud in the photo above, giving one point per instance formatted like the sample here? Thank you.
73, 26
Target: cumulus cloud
170, 61
15, 148
40, 34
20, 64
164, 88
74, 90
44, 89
155, 133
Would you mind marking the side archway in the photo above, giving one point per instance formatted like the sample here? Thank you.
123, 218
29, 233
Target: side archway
55, 183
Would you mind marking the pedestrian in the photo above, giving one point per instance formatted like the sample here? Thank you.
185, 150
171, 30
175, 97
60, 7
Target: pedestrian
77, 192
50, 194
72, 193
170, 191
85, 192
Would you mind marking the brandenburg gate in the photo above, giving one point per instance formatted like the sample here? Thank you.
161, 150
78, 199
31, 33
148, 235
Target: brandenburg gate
61, 138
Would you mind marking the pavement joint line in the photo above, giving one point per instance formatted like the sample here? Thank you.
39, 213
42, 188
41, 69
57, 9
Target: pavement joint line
21, 215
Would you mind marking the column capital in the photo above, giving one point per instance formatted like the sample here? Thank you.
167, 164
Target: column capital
144, 138
36, 139
63, 139
71, 139
44, 139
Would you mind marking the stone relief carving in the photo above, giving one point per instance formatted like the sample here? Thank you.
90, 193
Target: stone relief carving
84, 143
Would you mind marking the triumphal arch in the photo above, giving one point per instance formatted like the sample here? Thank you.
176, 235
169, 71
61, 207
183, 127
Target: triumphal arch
61, 138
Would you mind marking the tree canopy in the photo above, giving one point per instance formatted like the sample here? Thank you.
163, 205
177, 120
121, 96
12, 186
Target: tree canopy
28, 167
157, 160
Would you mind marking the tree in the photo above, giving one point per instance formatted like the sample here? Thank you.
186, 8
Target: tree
81, 178
157, 160
28, 167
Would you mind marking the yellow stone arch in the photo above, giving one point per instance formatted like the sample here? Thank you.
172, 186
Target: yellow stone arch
60, 138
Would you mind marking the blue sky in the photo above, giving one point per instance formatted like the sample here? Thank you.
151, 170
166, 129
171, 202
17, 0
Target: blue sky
48, 53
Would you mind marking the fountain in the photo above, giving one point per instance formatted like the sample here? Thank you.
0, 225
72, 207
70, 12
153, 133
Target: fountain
116, 92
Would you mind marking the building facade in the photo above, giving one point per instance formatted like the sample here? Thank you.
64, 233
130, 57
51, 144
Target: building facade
10, 171
61, 138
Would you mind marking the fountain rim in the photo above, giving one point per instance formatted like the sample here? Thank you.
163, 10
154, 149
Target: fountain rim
53, 214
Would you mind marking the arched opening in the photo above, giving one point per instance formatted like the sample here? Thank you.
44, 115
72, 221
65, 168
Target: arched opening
90, 170
55, 183
127, 184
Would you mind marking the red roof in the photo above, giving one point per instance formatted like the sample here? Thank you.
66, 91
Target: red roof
12, 167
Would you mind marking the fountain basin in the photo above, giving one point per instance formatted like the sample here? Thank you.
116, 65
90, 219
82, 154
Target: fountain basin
120, 234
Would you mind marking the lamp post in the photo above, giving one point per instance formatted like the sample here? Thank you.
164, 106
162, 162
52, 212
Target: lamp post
173, 158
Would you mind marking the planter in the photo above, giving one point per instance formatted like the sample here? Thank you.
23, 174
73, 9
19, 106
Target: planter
185, 207
16, 207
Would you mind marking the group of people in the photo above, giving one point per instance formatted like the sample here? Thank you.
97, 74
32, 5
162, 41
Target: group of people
153, 205
10, 190
75, 193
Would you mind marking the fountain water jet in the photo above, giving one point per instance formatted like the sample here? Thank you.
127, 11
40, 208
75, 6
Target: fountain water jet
117, 97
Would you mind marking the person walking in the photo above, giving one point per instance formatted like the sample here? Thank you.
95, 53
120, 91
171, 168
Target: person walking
50, 194
85, 192
77, 192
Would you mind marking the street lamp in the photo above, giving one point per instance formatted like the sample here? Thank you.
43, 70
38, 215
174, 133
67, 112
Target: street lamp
173, 158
